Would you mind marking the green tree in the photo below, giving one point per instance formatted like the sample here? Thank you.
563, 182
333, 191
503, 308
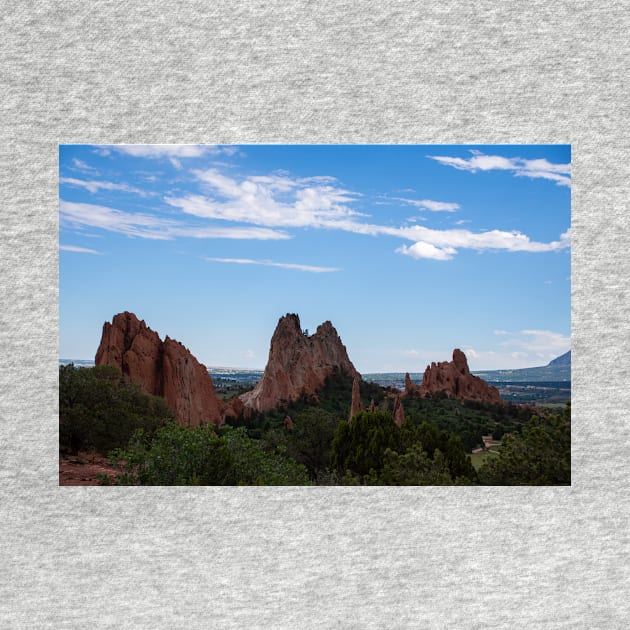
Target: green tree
311, 439
98, 410
413, 468
180, 455
359, 446
541, 455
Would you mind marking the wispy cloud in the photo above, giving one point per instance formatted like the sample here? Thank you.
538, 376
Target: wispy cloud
444, 244
95, 186
449, 241
82, 166
273, 203
545, 344
428, 204
273, 200
521, 349
273, 263
77, 249
153, 227
173, 151
316, 202
520, 167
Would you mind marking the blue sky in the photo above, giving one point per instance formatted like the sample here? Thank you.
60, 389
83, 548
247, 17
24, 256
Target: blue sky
410, 250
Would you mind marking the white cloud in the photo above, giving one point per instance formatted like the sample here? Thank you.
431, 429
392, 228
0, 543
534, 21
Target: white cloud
82, 166
272, 200
444, 244
141, 225
77, 249
428, 204
172, 151
427, 250
95, 186
545, 344
271, 263
560, 173
279, 201
545, 341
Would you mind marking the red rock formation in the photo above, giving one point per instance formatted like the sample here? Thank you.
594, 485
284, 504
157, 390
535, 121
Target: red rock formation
288, 423
165, 369
356, 404
454, 378
233, 408
399, 412
298, 364
409, 386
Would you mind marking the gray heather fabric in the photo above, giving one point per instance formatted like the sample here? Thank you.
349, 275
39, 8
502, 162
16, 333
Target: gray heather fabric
387, 72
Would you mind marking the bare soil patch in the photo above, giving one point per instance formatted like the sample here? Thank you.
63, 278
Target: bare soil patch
83, 470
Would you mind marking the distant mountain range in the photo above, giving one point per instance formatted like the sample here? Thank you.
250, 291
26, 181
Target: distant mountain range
557, 370
563, 359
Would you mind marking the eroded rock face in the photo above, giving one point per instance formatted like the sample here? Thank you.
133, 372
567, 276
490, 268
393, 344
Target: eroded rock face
298, 364
409, 385
454, 378
399, 412
356, 405
161, 368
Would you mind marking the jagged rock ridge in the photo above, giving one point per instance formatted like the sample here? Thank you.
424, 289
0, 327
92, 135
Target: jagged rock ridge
161, 368
298, 364
454, 379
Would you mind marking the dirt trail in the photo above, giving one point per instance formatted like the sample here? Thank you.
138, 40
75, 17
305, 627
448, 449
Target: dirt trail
82, 470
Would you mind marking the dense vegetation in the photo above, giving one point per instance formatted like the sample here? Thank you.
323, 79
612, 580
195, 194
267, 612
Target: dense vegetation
179, 455
99, 410
540, 455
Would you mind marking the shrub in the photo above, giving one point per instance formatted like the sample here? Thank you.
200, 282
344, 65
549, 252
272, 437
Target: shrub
99, 411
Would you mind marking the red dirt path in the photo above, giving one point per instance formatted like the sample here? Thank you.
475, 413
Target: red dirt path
82, 470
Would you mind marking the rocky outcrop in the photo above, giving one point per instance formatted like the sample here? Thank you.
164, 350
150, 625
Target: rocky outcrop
409, 386
399, 412
161, 368
356, 405
298, 364
455, 380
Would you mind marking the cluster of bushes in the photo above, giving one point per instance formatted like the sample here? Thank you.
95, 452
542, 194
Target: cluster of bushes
467, 419
178, 455
100, 411
373, 450
539, 455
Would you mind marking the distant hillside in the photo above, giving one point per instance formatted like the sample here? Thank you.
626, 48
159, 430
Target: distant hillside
563, 359
557, 370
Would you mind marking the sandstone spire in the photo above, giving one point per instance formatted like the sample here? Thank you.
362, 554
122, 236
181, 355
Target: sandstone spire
356, 404
399, 412
298, 364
